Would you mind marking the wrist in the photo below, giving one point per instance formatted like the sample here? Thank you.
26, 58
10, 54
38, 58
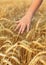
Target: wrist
29, 14
27, 18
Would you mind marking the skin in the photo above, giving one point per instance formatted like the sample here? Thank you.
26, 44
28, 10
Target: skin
25, 22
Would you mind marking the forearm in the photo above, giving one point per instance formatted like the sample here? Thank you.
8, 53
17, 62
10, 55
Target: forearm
35, 5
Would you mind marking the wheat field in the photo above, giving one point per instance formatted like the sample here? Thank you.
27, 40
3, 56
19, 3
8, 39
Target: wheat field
28, 48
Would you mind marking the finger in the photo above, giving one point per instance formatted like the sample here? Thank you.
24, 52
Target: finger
23, 30
17, 27
28, 27
20, 30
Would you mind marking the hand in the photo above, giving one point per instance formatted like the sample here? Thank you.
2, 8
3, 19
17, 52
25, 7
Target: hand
23, 24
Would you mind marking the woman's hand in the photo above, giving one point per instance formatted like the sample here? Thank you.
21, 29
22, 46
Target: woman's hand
23, 24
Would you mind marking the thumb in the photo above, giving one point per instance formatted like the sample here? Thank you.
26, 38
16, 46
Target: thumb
17, 22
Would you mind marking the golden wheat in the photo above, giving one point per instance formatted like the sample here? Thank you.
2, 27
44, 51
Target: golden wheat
26, 49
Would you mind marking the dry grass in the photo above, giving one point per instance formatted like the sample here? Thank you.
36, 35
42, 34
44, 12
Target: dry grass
26, 49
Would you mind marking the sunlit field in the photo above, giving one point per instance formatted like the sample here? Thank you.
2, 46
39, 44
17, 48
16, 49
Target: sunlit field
28, 48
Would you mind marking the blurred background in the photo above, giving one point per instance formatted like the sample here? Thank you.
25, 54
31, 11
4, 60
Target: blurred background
17, 8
